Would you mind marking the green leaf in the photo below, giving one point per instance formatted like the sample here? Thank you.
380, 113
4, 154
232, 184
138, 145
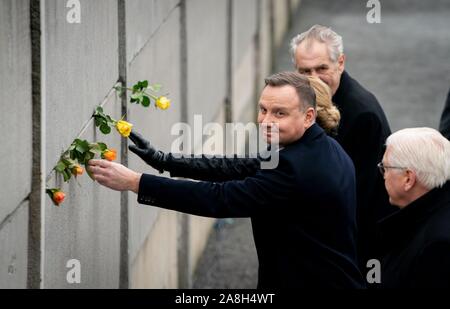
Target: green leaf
76, 155
94, 152
87, 171
136, 87
50, 193
145, 101
105, 129
60, 166
143, 84
137, 96
109, 119
99, 109
97, 121
88, 156
102, 146
155, 87
69, 163
82, 146
66, 175
119, 91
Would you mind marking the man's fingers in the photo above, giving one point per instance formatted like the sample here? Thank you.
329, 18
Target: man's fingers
97, 170
101, 163
101, 179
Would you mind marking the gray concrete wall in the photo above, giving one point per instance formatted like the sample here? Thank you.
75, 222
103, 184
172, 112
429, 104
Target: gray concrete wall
184, 45
156, 58
16, 151
81, 69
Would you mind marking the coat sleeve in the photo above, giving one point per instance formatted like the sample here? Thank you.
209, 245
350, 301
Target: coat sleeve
444, 125
264, 193
216, 169
432, 269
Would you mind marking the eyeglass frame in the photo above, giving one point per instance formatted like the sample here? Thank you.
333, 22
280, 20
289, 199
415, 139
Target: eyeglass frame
382, 168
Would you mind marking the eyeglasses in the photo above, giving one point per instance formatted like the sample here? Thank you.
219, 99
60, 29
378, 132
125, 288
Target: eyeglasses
383, 167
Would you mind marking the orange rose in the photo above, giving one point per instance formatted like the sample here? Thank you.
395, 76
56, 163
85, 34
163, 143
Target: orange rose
77, 170
56, 195
109, 154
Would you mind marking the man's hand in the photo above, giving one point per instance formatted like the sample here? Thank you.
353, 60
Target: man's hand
145, 150
114, 176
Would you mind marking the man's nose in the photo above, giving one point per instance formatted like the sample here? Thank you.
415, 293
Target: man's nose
267, 119
313, 73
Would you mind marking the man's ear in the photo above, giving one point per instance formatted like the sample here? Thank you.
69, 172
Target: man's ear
411, 179
310, 116
341, 63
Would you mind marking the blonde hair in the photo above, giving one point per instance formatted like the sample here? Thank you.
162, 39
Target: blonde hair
328, 116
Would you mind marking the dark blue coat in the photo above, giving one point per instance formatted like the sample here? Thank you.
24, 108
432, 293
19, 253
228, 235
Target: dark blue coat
444, 126
303, 212
415, 243
362, 133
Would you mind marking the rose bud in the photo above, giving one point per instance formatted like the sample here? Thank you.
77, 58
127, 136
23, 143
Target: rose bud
124, 128
77, 170
163, 103
109, 154
56, 195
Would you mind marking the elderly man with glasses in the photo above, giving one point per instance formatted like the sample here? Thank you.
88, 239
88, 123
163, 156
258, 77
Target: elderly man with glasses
415, 241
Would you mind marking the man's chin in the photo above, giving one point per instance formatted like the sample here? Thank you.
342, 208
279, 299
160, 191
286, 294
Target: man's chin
269, 139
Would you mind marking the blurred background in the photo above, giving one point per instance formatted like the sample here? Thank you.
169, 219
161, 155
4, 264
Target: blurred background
211, 56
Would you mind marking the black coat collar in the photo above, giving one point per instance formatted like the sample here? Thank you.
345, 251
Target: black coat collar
342, 91
310, 134
405, 221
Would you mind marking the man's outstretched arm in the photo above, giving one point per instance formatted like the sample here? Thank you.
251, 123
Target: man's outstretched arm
204, 168
267, 191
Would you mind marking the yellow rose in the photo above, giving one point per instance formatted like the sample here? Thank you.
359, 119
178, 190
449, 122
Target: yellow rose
163, 103
124, 128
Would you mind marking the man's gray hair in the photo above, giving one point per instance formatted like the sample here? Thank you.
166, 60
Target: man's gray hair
321, 34
424, 151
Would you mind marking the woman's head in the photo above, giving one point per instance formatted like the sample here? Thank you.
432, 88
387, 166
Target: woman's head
328, 116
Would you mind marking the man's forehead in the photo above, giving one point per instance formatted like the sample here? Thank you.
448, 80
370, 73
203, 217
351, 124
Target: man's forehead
279, 96
274, 104
386, 153
278, 91
312, 52
311, 45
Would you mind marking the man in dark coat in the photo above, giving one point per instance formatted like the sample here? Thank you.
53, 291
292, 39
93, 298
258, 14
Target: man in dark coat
444, 126
362, 131
303, 214
415, 241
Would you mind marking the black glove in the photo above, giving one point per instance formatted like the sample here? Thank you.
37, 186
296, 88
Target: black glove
204, 168
143, 148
